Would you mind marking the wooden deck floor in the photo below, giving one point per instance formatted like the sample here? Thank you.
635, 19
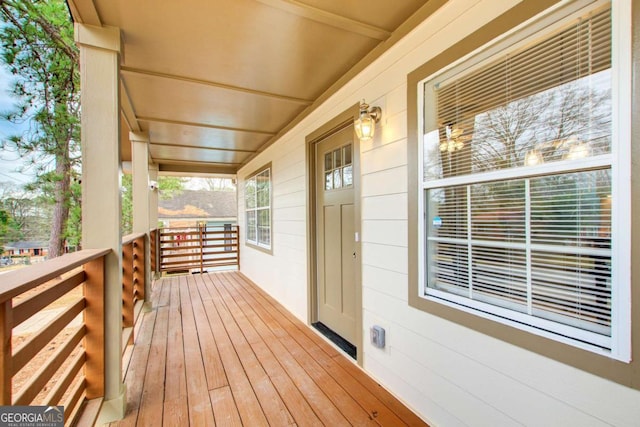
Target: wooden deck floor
216, 350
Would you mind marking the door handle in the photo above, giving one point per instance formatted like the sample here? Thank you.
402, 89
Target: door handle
354, 255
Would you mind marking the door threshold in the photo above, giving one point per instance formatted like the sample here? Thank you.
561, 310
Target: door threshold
343, 344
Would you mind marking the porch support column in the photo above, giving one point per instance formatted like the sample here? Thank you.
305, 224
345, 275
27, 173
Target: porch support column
153, 212
153, 197
100, 49
141, 196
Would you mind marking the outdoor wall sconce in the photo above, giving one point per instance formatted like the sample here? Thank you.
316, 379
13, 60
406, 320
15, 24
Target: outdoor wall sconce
455, 140
579, 150
533, 158
366, 124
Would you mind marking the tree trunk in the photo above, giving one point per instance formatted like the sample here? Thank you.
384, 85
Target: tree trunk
61, 206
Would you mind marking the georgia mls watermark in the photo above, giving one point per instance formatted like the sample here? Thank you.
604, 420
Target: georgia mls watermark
31, 416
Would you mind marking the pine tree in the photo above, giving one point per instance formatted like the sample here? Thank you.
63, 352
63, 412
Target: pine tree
38, 49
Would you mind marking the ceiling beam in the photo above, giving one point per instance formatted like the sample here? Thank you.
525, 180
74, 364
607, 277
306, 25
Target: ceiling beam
198, 147
188, 170
84, 12
165, 161
202, 125
405, 28
127, 109
313, 13
138, 71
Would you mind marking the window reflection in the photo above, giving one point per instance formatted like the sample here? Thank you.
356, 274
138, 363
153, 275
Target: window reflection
338, 168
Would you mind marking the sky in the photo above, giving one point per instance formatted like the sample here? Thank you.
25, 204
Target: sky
9, 162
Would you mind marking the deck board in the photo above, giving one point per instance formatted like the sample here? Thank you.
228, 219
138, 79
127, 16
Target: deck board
151, 405
243, 373
200, 409
213, 368
379, 401
324, 355
136, 370
330, 401
217, 350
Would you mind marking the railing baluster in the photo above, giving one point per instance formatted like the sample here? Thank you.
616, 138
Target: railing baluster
238, 246
202, 231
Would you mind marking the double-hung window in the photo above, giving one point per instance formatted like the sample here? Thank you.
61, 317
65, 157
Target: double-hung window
518, 183
257, 192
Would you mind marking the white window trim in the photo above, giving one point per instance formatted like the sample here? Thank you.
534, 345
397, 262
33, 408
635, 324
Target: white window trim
621, 184
258, 209
619, 159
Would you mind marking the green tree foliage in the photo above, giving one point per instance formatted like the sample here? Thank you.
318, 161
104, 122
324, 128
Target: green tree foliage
4, 228
168, 186
24, 215
73, 234
38, 49
126, 220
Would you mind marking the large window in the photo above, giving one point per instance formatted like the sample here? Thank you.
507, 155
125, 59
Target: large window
257, 194
518, 183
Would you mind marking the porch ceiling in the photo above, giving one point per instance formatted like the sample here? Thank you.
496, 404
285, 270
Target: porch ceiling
214, 82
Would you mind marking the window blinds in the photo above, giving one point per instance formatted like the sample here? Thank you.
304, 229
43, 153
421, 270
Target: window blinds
512, 235
549, 101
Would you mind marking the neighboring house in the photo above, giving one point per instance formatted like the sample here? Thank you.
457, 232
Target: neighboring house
191, 207
26, 249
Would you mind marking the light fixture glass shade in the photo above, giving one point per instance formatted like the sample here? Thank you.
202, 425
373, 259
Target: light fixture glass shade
365, 127
578, 150
533, 158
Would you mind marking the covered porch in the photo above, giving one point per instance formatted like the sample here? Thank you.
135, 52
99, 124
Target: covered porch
215, 348
263, 91
205, 89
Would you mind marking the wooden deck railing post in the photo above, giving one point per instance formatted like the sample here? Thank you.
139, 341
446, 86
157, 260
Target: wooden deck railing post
238, 245
202, 229
6, 368
94, 322
158, 251
158, 256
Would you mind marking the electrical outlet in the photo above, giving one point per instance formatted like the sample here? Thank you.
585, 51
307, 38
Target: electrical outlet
377, 336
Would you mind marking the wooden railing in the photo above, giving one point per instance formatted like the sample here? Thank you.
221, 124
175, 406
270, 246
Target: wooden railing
133, 283
196, 249
63, 355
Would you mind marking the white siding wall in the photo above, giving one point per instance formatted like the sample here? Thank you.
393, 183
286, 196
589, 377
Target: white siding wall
448, 374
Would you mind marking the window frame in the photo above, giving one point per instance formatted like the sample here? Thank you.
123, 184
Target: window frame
554, 330
256, 243
481, 52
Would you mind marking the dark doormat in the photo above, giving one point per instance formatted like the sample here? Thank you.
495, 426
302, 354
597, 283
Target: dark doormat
345, 345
